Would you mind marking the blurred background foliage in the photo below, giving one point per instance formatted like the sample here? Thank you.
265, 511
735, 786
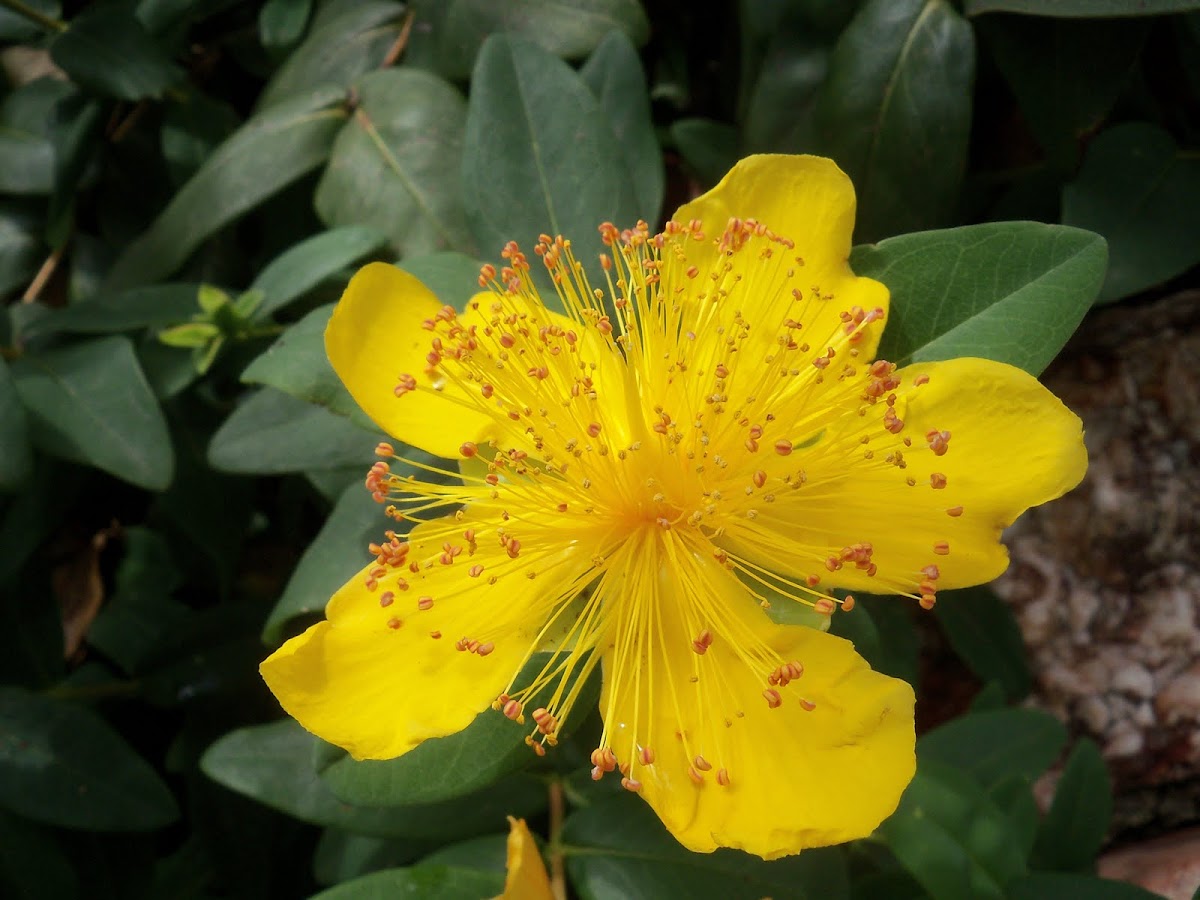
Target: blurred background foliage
184, 189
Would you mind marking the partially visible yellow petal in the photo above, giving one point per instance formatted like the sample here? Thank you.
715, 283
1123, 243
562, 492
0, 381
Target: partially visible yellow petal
1012, 445
796, 778
374, 337
526, 878
384, 672
809, 201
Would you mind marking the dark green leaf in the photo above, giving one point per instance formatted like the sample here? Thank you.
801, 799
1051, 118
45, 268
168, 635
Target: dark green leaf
425, 882
194, 125
337, 50
1077, 821
272, 433
990, 698
453, 277
1081, 8
488, 853
63, 765
617, 849
1049, 64
156, 306
26, 153
91, 403
1143, 194
302, 267
1058, 886
895, 112
75, 133
884, 635
18, 29
994, 746
489, 749
395, 164
570, 31
779, 111
984, 633
16, 459
20, 249
1014, 797
106, 50
32, 864
281, 22
1009, 291
341, 855
614, 75
539, 155
952, 838
336, 554
709, 148
267, 153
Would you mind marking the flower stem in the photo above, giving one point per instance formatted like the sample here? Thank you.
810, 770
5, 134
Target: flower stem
558, 878
33, 15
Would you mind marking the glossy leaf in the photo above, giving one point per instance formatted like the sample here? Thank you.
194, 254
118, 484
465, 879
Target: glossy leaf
91, 403
16, 459
993, 746
339, 48
952, 838
430, 882
272, 433
614, 75
617, 849
281, 22
1056, 886
106, 50
396, 163
1009, 291
491, 748
895, 112
791, 67
983, 631
1075, 826
268, 152
26, 152
63, 765
342, 855
708, 147
570, 31
302, 267
156, 306
538, 155
335, 556
20, 248
1081, 8
193, 127
1139, 190
18, 29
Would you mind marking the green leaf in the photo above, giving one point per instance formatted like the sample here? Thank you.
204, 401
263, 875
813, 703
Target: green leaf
335, 556
488, 854
1143, 194
1009, 291
570, 31
539, 155
32, 864
1075, 826
883, 632
193, 334
341, 855
26, 152
90, 403
1081, 8
281, 22
301, 268
63, 765
492, 747
337, 50
1048, 63
76, 135
617, 849
424, 881
297, 365
781, 104
268, 152
271, 433
16, 459
952, 838
983, 631
895, 112
20, 249
614, 75
1014, 797
993, 746
18, 29
194, 125
453, 277
395, 164
155, 306
708, 147
1057, 886
106, 50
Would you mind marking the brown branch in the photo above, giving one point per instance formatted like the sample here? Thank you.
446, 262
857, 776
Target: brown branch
398, 45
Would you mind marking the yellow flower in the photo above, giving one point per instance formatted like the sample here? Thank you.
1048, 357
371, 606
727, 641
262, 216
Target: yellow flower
525, 878
707, 433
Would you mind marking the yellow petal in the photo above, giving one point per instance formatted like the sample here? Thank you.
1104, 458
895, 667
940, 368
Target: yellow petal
810, 201
526, 878
383, 673
796, 778
374, 337
1012, 445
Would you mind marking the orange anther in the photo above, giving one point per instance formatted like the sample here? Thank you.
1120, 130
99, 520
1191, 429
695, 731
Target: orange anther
386, 598
723, 777
475, 571
808, 705
941, 548
848, 603
594, 429
631, 784
783, 447
383, 448
646, 756
702, 764
774, 700
394, 623
468, 449
485, 648
954, 511
937, 481
695, 776
824, 606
